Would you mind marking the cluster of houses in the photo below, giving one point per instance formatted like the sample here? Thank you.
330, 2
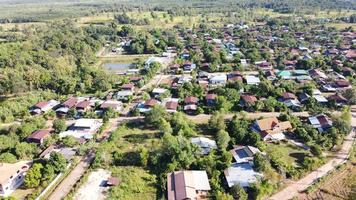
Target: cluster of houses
80, 104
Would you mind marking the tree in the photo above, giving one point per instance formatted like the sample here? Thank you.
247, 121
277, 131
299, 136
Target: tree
260, 162
238, 192
58, 162
25, 150
33, 176
7, 157
154, 116
217, 122
69, 141
316, 150
59, 125
164, 126
222, 139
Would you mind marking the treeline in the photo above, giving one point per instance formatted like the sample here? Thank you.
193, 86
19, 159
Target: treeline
56, 57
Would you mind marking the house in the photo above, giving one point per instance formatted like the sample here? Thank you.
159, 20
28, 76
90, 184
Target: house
112, 181
270, 75
157, 92
190, 104
205, 144
65, 106
83, 128
113, 104
317, 74
218, 80
184, 185
241, 174
188, 67
38, 136
234, 76
252, 80
12, 176
264, 65
210, 99
320, 122
320, 99
43, 107
242, 154
303, 97
271, 128
351, 54
342, 85
285, 74
124, 95
83, 106
171, 104
287, 96
247, 100
293, 104
338, 99
128, 87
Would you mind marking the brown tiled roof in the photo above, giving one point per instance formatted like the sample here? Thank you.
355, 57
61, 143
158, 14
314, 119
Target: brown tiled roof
83, 104
288, 95
128, 86
337, 97
172, 105
249, 98
342, 83
151, 102
191, 100
70, 102
41, 104
267, 123
210, 96
39, 134
113, 181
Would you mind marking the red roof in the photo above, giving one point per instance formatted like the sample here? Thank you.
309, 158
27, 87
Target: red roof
337, 98
191, 100
41, 104
248, 98
210, 96
39, 134
70, 102
342, 83
128, 86
113, 181
135, 78
83, 104
172, 105
288, 95
151, 102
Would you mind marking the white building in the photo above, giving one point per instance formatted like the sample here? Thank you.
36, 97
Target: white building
205, 144
83, 128
252, 80
12, 176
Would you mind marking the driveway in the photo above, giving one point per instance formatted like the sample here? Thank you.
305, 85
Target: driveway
67, 184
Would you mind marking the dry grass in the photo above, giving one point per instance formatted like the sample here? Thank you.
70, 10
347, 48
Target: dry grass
339, 186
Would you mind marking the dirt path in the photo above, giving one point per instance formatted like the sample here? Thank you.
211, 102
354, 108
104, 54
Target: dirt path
295, 187
66, 185
203, 118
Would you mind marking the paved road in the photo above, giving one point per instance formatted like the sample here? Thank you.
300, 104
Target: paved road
295, 187
203, 118
66, 185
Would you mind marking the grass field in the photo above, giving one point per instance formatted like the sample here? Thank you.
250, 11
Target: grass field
136, 181
288, 153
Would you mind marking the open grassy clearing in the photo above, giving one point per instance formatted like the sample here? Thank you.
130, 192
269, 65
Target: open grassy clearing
136, 181
288, 153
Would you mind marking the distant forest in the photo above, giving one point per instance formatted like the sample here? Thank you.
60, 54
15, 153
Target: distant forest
39, 10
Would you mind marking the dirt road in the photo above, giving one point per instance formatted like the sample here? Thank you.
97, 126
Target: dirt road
295, 187
66, 185
203, 118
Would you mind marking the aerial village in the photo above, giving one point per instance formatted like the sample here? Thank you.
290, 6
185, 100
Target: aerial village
241, 96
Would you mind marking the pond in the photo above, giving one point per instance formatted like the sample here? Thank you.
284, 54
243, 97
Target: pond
118, 66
